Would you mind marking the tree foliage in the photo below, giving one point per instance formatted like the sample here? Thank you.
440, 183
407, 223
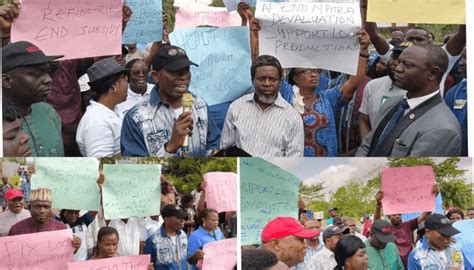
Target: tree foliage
311, 193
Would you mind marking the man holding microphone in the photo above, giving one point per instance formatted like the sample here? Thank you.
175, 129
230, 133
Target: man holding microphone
172, 121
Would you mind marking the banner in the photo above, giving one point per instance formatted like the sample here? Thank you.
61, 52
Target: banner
131, 190
75, 29
220, 255
221, 191
205, 16
37, 251
223, 56
311, 35
266, 192
140, 262
72, 181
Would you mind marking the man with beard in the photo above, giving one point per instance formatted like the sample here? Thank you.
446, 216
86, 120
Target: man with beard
418, 123
285, 237
437, 250
158, 125
403, 231
377, 91
15, 211
168, 247
263, 123
26, 83
40, 220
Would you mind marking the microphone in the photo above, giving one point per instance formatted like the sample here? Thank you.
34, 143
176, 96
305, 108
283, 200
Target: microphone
187, 107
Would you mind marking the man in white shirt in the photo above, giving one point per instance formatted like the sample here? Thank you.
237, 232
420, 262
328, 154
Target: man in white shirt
14, 212
324, 258
262, 123
132, 232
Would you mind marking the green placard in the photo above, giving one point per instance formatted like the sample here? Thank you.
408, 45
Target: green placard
73, 181
131, 190
266, 192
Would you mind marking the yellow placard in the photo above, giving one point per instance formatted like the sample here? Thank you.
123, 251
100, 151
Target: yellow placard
417, 11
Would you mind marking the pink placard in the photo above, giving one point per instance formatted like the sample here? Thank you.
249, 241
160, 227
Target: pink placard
221, 191
73, 28
37, 251
220, 255
408, 190
189, 18
140, 262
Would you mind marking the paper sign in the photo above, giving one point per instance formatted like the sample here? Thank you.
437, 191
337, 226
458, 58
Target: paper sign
438, 209
73, 181
140, 262
319, 215
146, 23
311, 35
221, 191
408, 189
131, 190
220, 254
37, 251
210, 16
417, 11
221, 54
465, 240
75, 29
266, 192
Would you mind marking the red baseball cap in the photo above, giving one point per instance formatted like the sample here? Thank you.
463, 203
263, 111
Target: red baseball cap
13, 193
285, 226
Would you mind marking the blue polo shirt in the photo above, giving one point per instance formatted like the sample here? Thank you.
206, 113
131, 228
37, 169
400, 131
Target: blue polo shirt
199, 238
456, 99
164, 252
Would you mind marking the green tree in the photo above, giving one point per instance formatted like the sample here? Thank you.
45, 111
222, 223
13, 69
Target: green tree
354, 199
310, 193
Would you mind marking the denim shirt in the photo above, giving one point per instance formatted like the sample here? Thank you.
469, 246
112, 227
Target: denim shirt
149, 124
425, 257
163, 253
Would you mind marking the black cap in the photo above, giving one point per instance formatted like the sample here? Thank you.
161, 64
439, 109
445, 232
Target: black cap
402, 46
172, 210
23, 53
103, 69
337, 220
171, 58
441, 224
334, 230
382, 232
332, 209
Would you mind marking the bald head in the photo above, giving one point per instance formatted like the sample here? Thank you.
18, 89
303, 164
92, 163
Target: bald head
312, 225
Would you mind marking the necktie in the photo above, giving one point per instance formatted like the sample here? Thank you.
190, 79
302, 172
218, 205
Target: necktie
402, 106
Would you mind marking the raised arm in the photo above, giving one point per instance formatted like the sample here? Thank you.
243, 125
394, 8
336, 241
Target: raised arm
351, 85
457, 42
378, 206
380, 44
8, 13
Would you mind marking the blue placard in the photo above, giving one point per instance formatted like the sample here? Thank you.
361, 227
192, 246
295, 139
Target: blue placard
146, 23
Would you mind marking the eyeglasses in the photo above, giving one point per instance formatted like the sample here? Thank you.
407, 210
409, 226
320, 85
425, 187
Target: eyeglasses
138, 72
309, 71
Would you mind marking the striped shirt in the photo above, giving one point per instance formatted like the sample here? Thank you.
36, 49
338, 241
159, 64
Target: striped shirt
425, 257
276, 131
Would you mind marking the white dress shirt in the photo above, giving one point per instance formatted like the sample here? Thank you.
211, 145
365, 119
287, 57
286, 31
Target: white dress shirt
132, 99
322, 260
130, 235
98, 133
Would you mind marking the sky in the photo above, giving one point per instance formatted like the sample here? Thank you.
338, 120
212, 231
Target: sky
336, 172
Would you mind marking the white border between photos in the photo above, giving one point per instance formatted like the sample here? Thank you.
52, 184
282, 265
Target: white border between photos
239, 249
470, 75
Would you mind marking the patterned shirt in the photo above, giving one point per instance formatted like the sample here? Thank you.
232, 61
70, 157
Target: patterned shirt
276, 131
165, 255
26, 226
8, 219
310, 252
43, 127
425, 257
322, 260
149, 124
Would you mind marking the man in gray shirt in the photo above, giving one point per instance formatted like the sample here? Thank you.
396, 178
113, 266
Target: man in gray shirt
263, 123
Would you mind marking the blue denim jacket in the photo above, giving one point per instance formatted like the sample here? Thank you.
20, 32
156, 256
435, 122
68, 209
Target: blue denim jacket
149, 124
164, 253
